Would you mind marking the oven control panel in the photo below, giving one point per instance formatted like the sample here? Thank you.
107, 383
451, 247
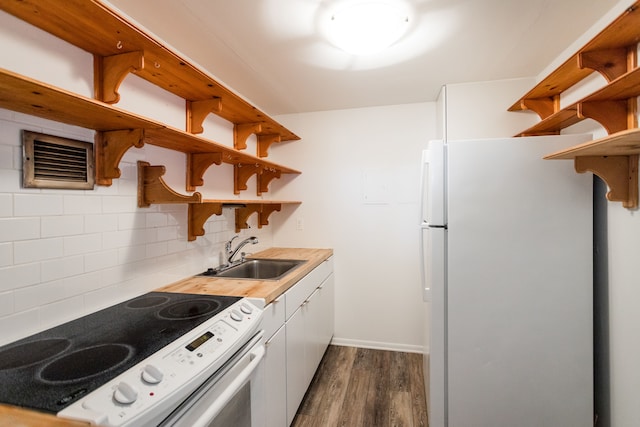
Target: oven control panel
151, 389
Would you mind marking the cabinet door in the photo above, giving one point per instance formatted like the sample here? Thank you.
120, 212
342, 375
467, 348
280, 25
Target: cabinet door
295, 330
276, 380
314, 331
327, 304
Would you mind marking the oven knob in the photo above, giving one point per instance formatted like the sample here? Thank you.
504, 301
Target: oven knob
235, 315
246, 308
125, 393
151, 374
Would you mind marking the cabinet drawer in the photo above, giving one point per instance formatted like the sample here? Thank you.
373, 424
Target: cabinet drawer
298, 293
273, 316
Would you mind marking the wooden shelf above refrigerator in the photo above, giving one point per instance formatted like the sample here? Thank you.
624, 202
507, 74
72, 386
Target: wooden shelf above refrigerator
614, 158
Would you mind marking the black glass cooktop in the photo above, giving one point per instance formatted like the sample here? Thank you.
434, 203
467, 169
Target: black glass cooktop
52, 369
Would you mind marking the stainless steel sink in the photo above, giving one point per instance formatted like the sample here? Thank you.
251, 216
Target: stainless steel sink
256, 269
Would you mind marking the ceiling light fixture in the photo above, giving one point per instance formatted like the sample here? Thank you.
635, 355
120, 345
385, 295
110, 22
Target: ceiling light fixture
365, 27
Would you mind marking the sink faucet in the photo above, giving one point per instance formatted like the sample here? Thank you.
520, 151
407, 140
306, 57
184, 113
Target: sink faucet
232, 252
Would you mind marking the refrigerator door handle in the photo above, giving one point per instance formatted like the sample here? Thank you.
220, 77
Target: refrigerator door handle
425, 286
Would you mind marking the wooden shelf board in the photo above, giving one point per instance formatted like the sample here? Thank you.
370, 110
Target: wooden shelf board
554, 123
23, 94
233, 202
621, 32
177, 139
28, 96
624, 87
619, 144
95, 28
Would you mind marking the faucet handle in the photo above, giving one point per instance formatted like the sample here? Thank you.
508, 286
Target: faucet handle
227, 245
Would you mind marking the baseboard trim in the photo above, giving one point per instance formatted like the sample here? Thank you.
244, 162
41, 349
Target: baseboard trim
378, 345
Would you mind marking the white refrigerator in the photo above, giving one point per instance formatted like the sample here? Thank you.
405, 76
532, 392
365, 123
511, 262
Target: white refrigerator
506, 240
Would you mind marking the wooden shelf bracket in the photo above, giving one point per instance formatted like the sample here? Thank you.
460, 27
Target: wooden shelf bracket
241, 133
199, 213
543, 107
264, 142
265, 211
153, 189
619, 172
243, 214
110, 147
197, 165
610, 63
264, 178
241, 174
612, 115
110, 71
197, 111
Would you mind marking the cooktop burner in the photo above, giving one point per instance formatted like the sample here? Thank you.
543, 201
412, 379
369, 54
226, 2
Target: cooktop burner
50, 370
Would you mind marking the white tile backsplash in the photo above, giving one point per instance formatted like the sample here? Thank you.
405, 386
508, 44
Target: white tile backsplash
17, 276
13, 229
131, 221
37, 204
10, 180
82, 204
37, 250
38, 295
62, 267
100, 223
6, 254
119, 204
6, 303
156, 219
82, 244
6, 205
54, 226
101, 260
6, 157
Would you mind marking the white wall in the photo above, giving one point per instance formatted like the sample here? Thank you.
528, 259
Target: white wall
360, 190
64, 253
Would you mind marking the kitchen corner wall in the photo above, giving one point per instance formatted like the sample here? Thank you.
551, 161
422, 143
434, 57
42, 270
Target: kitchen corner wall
65, 253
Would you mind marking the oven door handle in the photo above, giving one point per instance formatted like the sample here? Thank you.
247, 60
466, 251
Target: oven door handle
212, 411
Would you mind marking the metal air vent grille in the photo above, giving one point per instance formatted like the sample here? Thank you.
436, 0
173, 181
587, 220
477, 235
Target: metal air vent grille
54, 162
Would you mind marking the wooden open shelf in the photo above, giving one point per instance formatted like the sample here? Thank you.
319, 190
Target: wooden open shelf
120, 47
609, 106
152, 189
605, 53
614, 158
119, 130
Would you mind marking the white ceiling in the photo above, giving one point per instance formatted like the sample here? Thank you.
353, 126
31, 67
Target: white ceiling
273, 52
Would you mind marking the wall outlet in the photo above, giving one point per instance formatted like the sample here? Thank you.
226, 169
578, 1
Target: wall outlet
299, 224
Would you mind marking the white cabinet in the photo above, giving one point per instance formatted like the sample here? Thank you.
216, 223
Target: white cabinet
275, 368
309, 330
298, 328
276, 379
296, 362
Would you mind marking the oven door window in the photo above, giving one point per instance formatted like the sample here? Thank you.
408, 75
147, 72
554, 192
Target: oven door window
237, 412
230, 397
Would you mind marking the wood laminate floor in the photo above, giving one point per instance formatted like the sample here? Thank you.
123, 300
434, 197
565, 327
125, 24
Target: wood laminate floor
358, 387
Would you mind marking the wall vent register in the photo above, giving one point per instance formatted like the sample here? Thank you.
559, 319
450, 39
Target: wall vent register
54, 162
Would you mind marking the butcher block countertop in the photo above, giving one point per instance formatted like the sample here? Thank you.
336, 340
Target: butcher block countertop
11, 416
268, 290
